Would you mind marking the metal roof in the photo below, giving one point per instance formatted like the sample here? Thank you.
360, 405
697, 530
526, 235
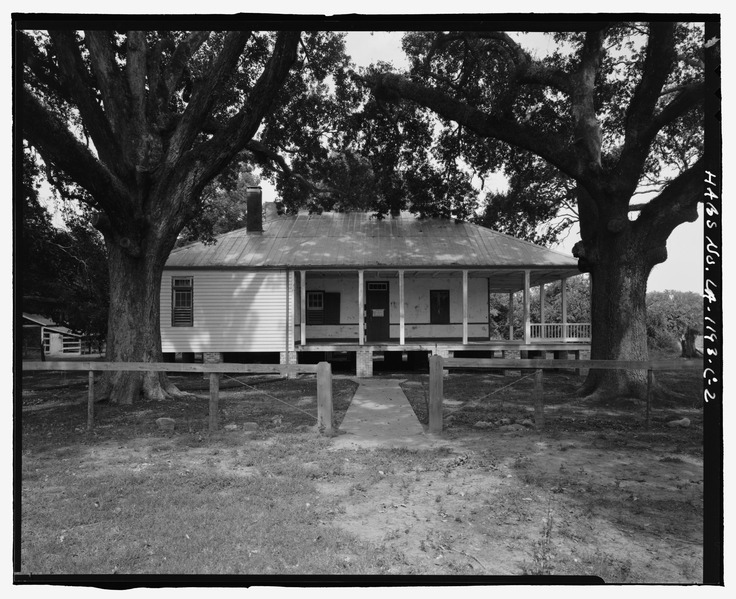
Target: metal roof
359, 240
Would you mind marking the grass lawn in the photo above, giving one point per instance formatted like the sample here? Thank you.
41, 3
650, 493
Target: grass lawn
595, 493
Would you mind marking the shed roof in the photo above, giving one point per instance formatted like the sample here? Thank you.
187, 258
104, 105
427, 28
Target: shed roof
358, 240
47, 323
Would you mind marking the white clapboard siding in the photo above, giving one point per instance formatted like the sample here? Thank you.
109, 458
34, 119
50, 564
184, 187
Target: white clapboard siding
234, 311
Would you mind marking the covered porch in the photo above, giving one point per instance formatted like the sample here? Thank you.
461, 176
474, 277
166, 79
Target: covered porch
439, 311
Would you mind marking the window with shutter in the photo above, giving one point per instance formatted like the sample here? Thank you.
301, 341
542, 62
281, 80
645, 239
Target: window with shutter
182, 302
323, 307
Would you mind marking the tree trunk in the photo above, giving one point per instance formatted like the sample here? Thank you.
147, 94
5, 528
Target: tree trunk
688, 344
134, 333
618, 317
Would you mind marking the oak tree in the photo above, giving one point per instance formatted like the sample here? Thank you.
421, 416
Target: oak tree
142, 121
616, 110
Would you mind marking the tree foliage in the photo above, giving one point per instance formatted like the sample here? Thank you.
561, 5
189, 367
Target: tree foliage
539, 205
37, 232
671, 315
374, 155
64, 270
223, 205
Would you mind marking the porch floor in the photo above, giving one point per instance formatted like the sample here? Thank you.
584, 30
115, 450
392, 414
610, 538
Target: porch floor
430, 344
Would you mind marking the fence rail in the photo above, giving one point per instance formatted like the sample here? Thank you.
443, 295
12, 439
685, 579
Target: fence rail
173, 367
437, 365
323, 371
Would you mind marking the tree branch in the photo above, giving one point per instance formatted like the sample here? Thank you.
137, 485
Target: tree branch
205, 96
44, 69
660, 56
75, 79
657, 66
110, 81
241, 128
391, 87
587, 130
676, 204
526, 70
634, 156
136, 70
686, 99
60, 148
266, 155
184, 51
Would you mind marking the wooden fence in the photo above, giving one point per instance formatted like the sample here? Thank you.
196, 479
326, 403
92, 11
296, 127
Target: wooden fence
438, 364
323, 371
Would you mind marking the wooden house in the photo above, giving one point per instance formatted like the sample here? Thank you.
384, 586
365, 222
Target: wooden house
290, 288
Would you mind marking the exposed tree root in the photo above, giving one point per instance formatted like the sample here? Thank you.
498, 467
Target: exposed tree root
172, 390
125, 388
603, 387
158, 387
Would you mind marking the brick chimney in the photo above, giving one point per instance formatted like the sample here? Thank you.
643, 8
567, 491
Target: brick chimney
254, 210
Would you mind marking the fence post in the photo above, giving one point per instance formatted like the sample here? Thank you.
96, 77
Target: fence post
324, 398
578, 371
538, 400
435, 393
214, 400
650, 376
91, 400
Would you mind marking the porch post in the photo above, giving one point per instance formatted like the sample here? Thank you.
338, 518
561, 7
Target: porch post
542, 299
402, 318
289, 317
361, 308
563, 283
289, 356
465, 307
511, 317
527, 322
303, 306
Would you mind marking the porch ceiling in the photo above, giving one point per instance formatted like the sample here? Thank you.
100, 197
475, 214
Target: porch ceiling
501, 281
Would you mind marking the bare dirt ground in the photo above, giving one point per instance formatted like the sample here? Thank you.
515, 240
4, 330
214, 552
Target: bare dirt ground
523, 503
594, 493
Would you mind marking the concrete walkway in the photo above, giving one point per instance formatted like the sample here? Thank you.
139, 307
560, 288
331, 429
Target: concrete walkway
380, 416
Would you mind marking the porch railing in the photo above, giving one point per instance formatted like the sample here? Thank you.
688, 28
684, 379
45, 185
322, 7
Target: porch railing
571, 331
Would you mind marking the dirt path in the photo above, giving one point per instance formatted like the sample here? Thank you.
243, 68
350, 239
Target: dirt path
380, 416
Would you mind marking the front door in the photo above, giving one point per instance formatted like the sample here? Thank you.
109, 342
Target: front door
376, 312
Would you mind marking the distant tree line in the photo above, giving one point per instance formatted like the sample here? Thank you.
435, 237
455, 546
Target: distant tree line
63, 270
674, 320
